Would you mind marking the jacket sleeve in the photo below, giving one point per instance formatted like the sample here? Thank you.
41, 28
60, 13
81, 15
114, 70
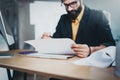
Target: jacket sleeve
104, 31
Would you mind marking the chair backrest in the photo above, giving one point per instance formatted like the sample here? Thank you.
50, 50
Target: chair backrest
6, 30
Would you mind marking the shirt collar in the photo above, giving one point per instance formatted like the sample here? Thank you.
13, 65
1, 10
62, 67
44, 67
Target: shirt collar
80, 15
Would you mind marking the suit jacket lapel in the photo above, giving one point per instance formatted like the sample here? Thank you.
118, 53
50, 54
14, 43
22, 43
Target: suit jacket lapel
69, 28
83, 22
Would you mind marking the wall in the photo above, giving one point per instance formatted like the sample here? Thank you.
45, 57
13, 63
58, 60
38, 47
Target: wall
25, 30
45, 14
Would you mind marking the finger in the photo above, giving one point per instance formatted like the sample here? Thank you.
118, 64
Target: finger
47, 34
75, 46
81, 46
80, 55
79, 49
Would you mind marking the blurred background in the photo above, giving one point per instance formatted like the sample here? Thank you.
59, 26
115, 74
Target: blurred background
29, 19
44, 15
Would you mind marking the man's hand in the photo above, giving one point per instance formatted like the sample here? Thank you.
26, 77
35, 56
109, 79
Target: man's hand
81, 50
46, 36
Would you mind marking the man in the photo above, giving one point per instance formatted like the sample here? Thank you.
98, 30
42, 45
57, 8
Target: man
89, 28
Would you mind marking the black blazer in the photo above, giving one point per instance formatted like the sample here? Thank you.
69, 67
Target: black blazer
94, 29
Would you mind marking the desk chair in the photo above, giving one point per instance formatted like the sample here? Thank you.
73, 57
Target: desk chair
4, 47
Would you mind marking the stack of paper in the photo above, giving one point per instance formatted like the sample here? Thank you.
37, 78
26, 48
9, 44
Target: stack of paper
52, 48
51, 56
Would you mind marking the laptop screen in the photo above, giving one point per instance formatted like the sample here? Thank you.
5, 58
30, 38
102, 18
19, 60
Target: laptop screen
5, 30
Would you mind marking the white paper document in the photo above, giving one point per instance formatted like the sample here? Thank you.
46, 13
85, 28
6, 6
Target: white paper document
52, 46
51, 56
102, 58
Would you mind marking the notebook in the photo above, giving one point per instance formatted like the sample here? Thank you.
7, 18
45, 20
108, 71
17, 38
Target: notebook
50, 56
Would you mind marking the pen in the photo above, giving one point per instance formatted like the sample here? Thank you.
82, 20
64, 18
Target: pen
107, 54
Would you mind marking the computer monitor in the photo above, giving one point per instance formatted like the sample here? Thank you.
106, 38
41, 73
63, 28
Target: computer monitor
6, 31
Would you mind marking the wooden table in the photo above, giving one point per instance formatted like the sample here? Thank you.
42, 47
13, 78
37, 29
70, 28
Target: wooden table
62, 69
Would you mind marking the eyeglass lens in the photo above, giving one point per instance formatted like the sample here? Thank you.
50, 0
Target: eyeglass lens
72, 4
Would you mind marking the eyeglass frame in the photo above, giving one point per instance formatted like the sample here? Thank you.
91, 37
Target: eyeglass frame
72, 4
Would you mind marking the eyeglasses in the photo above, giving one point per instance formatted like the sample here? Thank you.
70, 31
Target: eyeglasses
72, 4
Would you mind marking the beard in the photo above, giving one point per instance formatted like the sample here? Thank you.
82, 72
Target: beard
74, 13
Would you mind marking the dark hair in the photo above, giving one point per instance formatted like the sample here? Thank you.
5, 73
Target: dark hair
61, 1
